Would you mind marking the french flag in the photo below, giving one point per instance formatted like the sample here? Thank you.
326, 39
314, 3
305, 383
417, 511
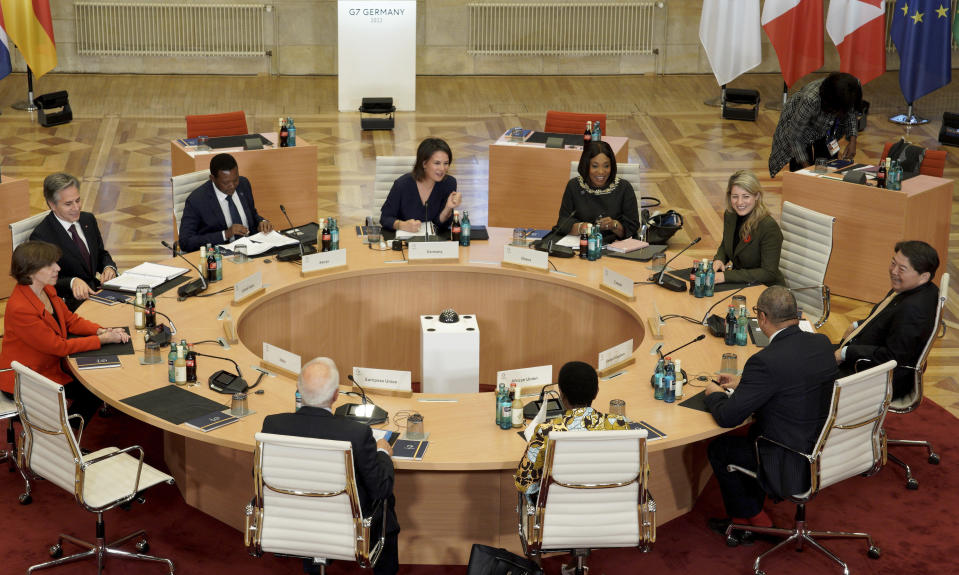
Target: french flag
858, 28
5, 67
795, 29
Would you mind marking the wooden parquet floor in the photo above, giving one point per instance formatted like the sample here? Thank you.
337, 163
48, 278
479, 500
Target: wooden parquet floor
118, 145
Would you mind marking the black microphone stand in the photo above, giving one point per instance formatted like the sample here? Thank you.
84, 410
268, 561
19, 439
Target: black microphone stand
375, 416
192, 288
669, 282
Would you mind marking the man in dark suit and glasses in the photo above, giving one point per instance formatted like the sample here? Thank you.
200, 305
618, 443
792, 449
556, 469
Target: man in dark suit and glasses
899, 326
319, 386
78, 236
787, 387
220, 210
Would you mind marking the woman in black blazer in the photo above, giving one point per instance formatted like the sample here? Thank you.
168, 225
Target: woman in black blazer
752, 239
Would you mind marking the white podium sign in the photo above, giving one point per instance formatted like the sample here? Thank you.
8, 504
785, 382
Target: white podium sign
376, 47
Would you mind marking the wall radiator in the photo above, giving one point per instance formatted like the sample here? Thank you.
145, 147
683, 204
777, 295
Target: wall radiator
170, 29
554, 28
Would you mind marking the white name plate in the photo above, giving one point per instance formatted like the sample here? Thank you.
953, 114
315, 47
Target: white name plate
434, 251
526, 377
383, 379
618, 283
247, 287
281, 358
323, 260
525, 257
615, 355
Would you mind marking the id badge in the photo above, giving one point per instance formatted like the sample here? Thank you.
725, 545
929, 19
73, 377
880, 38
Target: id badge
833, 147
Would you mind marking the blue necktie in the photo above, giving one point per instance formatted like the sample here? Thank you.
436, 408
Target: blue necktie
234, 213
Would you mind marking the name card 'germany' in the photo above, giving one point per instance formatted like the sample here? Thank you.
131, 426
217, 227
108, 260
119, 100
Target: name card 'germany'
525, 257
281, 358
247, 287
434, 251
383, 379
615, 355
618, 283
323, 260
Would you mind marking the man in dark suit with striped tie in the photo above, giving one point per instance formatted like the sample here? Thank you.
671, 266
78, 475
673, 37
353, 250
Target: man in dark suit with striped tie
78, 236
220, 210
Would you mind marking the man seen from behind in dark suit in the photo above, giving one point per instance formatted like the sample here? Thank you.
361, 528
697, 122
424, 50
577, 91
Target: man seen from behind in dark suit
787, 388
319, 386
78, 237
220, 210
899, 326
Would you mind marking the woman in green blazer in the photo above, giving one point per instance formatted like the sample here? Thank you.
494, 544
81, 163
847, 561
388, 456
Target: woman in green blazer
752, 239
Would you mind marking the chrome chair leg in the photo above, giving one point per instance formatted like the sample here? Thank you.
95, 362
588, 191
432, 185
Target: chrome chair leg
932, 456
827, 553
911, 482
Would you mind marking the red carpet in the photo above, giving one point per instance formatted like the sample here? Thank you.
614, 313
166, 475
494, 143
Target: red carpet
914, 528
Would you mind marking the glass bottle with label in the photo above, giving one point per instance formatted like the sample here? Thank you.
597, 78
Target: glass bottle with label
150, 310
210, 264
218, 257
290, 132
179, 367
455, 227
284, 134
334, 235
506, 411
139, 313
190, 365
516, 409
588, 134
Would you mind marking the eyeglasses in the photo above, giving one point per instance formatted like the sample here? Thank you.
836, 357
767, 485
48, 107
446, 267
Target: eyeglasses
757, 309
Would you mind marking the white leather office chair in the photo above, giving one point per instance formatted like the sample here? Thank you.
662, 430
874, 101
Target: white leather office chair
589, 475
180, 188
911, 402
99, 481
807, 245
8, 412
388, 168
306, 503
20, 231
851, 443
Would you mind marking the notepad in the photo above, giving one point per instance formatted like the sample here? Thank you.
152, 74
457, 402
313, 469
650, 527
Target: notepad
147, 273
211, 421
98, 362
408, 449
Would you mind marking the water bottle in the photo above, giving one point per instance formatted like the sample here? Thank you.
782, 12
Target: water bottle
597, 132
730, 326
658, 375
499, 401
894, 177
505, 411
679, 380
171, 363
298, 399
599, 242
218, 257
710, 280
465, 229
699, 287
669, 382
334, 235
742, 327
291, 132
591, 244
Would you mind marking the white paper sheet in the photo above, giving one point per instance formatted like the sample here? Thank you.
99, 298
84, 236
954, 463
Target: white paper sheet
261, 242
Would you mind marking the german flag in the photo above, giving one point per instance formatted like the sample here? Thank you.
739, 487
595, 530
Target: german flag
29, 25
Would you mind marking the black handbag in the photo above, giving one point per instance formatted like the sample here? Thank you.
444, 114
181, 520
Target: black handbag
661, 227
486, 560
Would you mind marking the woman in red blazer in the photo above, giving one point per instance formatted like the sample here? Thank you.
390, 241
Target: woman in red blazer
37, 323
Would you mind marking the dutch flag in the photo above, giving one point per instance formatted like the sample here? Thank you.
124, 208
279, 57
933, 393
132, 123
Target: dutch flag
5, 67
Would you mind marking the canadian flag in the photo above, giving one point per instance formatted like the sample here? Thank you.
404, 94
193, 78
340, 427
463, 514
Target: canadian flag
858, 28
795, 29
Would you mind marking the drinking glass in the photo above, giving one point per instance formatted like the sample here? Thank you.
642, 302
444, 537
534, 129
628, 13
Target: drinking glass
617, 407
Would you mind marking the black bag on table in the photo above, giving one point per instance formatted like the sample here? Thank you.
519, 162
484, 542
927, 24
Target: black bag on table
486, 560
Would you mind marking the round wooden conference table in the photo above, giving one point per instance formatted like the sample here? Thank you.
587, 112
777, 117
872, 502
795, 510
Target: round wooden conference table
367, 315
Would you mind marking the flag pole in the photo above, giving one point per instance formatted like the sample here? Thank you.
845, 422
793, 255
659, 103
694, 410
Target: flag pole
27, 105
908, 119
777, 105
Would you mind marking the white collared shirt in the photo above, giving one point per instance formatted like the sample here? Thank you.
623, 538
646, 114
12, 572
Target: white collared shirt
222, 199
67, 225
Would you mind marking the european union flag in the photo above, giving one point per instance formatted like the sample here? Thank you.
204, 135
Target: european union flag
921, 31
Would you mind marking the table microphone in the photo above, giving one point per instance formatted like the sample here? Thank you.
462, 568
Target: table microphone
188, 289
652, 378
223, 381
532, 408
549, 246
699, 337
160, 313
669, 282
287, 255
373, 416
717, 326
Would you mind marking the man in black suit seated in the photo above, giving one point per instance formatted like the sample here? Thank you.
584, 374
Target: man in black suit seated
78, 236
787, 387
214, 214
319, 387
899, 326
